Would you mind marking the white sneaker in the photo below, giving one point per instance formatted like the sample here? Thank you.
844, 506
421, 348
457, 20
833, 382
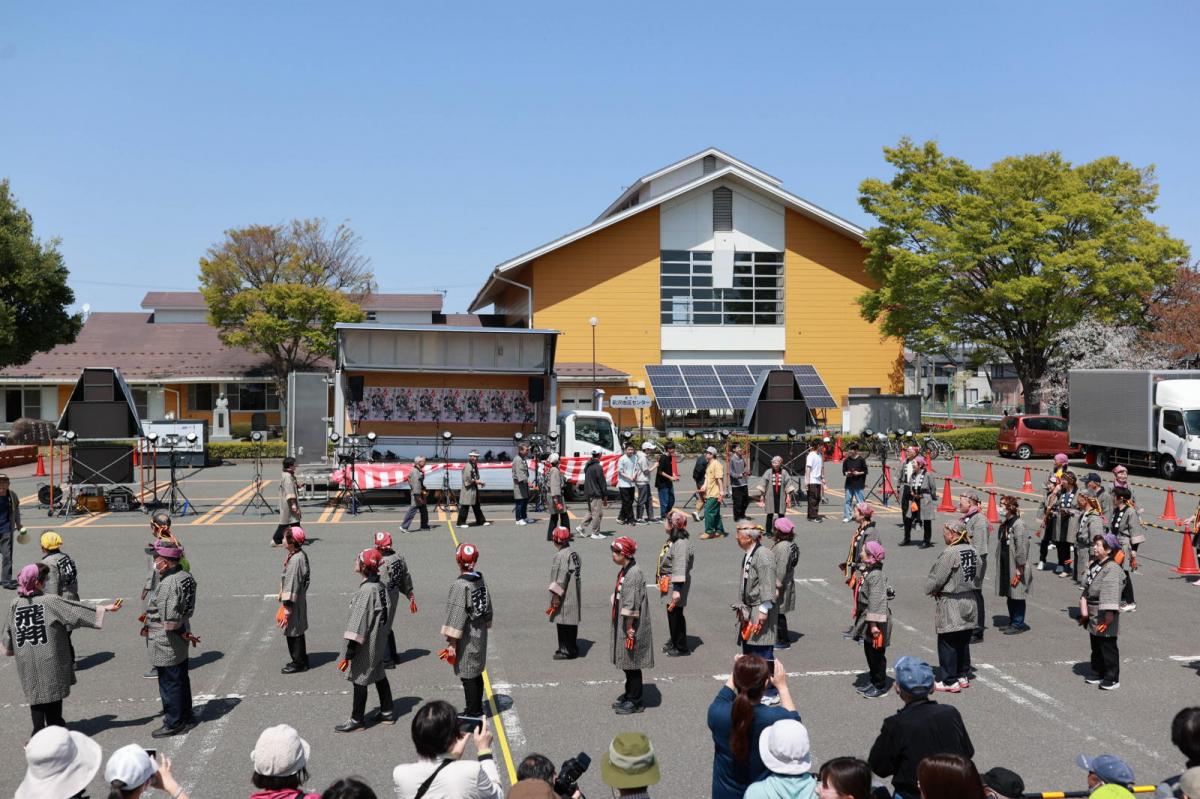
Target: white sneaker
1132, 606
522, 522
486, 524
963, 682
405, 530
579, 529
845, 521
465, 524
597, 536
1041, 565
952, 688
697, 516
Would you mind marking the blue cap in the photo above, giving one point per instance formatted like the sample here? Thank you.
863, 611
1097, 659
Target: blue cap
914, 676
1108, 768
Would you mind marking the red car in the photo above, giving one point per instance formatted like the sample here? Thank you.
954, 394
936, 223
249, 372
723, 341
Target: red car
1026, 436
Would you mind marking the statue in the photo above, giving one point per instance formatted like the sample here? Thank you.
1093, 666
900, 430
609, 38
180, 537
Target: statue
220, 431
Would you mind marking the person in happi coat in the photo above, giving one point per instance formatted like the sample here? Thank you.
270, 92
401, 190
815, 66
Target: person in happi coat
786, 554
864, 532
632, 636
469, 613
1014, 574
292, 617
908, 467
556, 505
951, 583
1100, 611
1093, 483
921, 495
160, 529
777, 488
566, 595
1091, 524
365, 641
520, 478
970, 505
418, 497
873, 619
756, 608
168, 628
468, 497
674, 578
36, 632
397, 581
1052, 499
1126, 525
63, 579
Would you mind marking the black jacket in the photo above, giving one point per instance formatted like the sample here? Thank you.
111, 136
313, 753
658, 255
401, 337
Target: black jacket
919, 729
595, 484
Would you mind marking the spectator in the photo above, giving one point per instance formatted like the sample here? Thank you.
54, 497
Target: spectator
627, 474
1185, 734
349, 788
814, 480
595, 491
920, 728
784, 750
536, 767
714, 495
1109, 777
644, 506
131, 773
854, 467
59, 764
1189, 783
630, 766
739, 489
440, 766
737, 719
666, 475
531, 789
280, 764
949, 777
844, 778
1000, 783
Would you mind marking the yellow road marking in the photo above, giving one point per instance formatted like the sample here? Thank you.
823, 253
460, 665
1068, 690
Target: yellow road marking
86, 520
338, 513
325, 514
229, 504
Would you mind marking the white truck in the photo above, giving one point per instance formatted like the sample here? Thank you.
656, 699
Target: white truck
1144, 418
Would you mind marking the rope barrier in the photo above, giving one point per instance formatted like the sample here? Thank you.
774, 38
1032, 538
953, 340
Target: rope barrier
1040, 469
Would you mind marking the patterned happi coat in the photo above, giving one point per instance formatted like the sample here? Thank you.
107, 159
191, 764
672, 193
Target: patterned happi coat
468, 617
367, 627
565, 573
397, 581
293, 592
629, 600
168, 615
63, 579
952, 583
36, 631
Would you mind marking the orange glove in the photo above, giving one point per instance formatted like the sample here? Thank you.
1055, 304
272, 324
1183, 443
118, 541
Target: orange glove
630, 639
1102, 627
1119, 558
1016, 579
448, 655
194, 640
877, 639
281, 617
343, 664
664, 584
412, 606
550, 610
1133, 562
750, 630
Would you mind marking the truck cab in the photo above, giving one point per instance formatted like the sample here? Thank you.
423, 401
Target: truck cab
1178, 412
579, 432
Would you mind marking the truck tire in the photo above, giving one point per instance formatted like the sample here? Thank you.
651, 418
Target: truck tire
1168, 468
1104, 461
1024, 452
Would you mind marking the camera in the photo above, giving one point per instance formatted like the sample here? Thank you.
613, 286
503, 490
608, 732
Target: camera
566, 783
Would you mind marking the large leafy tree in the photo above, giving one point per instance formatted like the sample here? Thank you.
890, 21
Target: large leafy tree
280, 289
1008, 257
34, 295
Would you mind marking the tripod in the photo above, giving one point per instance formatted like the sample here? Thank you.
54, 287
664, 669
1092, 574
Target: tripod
351, 491
257, 499
879, 487
175, 500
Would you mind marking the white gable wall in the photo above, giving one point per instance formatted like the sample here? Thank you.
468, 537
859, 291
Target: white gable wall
685, 223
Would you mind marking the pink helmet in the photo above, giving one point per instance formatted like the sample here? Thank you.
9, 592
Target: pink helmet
296, 533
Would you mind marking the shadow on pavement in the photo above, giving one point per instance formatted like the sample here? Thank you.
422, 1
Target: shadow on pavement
214, 709
93, 660
98, 724
205, 658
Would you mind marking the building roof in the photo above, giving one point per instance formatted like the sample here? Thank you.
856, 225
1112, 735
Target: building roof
194, 300
733, 172
572, 370
143, 351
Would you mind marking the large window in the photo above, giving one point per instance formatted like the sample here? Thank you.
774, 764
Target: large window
201, 396
22, 402
253, 397
689, 298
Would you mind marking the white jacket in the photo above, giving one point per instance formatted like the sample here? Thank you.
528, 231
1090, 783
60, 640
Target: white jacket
463, 779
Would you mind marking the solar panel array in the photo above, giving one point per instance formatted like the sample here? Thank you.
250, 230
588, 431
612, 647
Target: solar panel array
725, 386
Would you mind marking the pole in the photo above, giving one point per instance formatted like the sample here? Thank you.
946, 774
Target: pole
593, 364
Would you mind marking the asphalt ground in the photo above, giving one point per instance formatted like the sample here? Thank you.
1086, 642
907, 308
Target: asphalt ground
1029, 709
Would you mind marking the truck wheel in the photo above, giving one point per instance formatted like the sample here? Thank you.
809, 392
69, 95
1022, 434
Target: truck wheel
1103, 460
1167, 467
1024, 452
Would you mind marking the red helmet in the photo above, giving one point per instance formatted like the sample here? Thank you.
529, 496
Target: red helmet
370, 559
624, 546
561, 535
383, 540
296, 533
466, 554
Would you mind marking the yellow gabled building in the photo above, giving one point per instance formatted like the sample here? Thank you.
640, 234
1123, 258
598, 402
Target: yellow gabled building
708, 262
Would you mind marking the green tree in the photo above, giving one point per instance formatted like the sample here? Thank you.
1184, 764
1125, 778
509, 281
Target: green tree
34, 295
1009, 257
280, 289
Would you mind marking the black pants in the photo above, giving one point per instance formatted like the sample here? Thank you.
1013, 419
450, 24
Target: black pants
383, 688
954, 654
280, 531
476, 508
781, 630
557, 519
48, 714
979, 604
1064, 552
412, 512
814, 500
633, 686
905, 498
175, 690
626, 514
741, 501
521, 509
392, 655
677, 627
876, 662
1127, 589
473, 691
1106, 658
297, 650
6, 556
926, 528
568, 639
769, 523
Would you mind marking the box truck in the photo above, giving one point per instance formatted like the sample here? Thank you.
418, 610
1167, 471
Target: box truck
1143, 418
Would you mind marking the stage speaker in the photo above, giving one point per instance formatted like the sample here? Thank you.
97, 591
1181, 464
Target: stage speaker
356, 388
781, 385
537, 389
101, 464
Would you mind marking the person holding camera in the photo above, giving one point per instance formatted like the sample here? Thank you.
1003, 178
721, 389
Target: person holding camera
538, 779
132, 771
565, 595
440, 737
632, 642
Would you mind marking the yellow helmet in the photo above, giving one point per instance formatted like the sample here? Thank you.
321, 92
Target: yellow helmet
51, 540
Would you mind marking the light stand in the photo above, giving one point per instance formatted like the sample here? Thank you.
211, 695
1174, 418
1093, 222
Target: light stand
257, 499
70, 506
448, 497
174, 499
878, 489
346, 451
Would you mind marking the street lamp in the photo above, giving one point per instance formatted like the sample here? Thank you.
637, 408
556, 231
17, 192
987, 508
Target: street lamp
593, 322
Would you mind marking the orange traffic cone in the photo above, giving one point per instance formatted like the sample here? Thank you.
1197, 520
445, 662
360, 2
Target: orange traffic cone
888, 490
988, 480
1187, 555
41, 469
1027, 486
993, 515
1168, 514
956, 472
947, 505
837, 450
929, 463
137, 461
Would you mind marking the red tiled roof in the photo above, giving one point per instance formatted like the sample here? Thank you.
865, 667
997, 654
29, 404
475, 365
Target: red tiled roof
142, 351
194, 300
584, 369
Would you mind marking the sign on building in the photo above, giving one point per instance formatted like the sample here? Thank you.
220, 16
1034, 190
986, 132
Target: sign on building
629, 401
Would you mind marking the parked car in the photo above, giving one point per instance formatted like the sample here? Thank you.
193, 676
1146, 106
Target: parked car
1026, 436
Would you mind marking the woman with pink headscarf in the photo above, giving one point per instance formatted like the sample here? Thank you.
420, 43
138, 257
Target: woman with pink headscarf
873, 619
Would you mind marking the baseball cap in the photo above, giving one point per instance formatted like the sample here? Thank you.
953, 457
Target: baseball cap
280, 752
131, 765
1092, 477
1109, 768
711, 450
784, 748
595, 450
1004, 782
647, 445
914, 676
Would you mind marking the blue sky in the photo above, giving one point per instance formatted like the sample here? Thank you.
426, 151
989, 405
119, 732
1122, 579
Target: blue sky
452, 136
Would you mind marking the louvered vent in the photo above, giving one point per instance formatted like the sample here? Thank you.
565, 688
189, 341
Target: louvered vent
722, 210
710, 164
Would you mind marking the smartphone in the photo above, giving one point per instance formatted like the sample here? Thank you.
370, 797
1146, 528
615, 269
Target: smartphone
153, 753
469, 723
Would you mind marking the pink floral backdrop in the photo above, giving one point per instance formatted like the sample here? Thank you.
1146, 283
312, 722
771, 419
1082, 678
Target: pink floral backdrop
397, 404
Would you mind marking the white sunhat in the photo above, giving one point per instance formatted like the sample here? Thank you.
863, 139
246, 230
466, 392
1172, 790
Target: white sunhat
58, 763
784, 748
280, 752
648, 445
131, 765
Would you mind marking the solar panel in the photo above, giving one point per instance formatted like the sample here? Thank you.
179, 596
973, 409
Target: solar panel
673, 404
693, 387
727, 371
816, 394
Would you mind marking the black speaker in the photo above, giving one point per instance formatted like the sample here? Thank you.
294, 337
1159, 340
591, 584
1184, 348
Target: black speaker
537, 389
101, 464
356, 388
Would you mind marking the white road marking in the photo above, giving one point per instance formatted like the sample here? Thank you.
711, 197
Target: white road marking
509, 717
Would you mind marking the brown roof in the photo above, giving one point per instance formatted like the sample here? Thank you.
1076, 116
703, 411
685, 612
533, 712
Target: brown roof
584, 369
142, 351
194, 300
